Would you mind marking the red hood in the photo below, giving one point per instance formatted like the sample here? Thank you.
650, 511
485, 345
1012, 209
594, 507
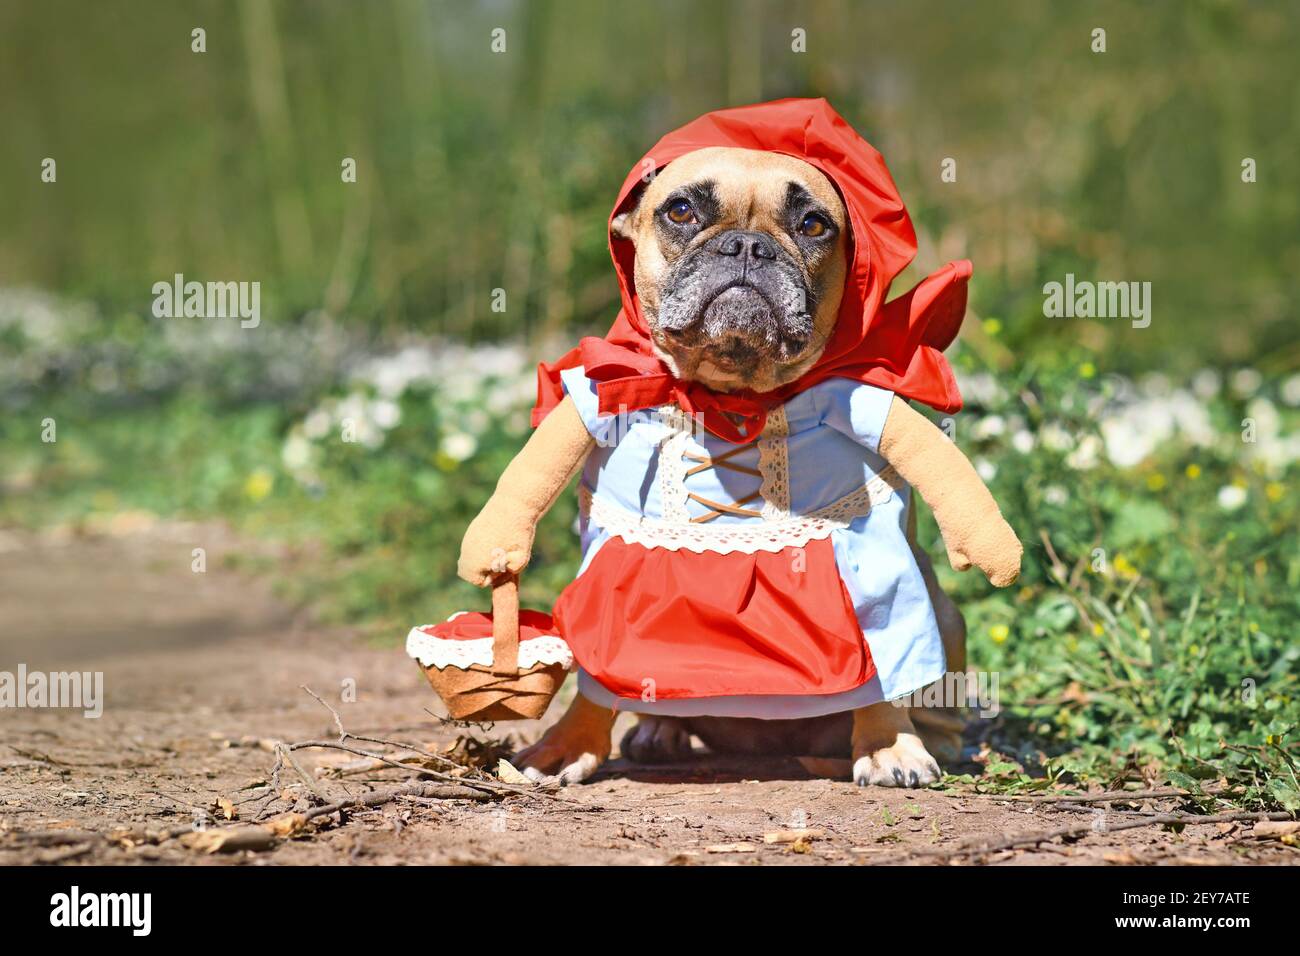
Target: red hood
896, 345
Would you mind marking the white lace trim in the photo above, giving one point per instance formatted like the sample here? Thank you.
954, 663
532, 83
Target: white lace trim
443, 652
672, 464
747, 537
774, 464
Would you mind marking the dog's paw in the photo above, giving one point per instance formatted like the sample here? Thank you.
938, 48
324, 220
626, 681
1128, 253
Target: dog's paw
657, 740
905, 764
558, 762
568, 773
572, 750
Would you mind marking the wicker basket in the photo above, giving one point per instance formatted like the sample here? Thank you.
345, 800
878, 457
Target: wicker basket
498, 689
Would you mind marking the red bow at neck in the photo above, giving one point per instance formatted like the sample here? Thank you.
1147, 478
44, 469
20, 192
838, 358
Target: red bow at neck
627, 380
896, 345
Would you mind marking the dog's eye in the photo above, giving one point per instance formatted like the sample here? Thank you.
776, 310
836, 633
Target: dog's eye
680, 212
814, 225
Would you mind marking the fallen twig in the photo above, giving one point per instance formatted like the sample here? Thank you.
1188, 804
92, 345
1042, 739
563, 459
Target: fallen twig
1110, 796
1098, 826
488, 784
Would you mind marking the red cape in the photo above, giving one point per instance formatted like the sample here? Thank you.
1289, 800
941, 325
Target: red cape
896, 345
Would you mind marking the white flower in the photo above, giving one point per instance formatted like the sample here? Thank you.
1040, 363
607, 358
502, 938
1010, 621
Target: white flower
1246, 381
1231, 497
1134, 431
986, 469
1155, 384
459, 446
317, 424
1023, 441
1085, 456
1055, 495
1055, 437
1206, 383
981, 388
297, 452
1291, 390
989, 426
1268, 422
385, 413
391, 375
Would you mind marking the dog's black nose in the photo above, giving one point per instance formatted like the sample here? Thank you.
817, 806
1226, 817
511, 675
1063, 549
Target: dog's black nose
744, 243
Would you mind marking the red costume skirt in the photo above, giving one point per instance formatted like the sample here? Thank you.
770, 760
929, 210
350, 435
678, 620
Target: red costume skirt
677, 624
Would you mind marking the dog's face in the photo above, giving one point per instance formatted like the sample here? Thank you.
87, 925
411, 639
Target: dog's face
740, 265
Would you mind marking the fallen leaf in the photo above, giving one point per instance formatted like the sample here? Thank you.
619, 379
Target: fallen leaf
508, 774
229, 839
793, 836
225, 807
287, 825
1285, 830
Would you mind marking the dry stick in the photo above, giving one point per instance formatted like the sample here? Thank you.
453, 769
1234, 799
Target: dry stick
1110, 796
344, 735
496, 786
1083, 829
419, 788
283, 752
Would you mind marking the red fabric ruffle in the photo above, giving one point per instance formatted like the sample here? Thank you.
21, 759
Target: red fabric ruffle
711, 625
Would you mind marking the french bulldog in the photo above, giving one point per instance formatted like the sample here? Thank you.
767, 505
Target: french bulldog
740, 268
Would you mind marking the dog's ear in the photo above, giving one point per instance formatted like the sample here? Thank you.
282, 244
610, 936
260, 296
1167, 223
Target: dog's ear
623, 226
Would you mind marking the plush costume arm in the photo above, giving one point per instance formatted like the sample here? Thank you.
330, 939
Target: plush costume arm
500, 539
973, 528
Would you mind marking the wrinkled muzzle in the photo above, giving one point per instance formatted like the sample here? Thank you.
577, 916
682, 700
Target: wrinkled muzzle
740, 300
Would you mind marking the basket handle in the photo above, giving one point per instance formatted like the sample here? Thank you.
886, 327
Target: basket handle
505, 625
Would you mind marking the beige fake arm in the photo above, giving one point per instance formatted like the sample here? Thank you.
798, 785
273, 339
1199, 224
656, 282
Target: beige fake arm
973, 528
500, 539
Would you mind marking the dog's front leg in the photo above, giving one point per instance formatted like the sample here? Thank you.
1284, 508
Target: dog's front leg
887, 752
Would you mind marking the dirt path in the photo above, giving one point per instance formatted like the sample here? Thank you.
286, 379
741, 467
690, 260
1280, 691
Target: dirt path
199, 669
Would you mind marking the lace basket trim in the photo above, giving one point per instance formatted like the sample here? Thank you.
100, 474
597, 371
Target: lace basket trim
747, 537
443, 652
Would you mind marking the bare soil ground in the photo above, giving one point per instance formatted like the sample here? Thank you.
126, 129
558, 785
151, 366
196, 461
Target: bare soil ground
203, 671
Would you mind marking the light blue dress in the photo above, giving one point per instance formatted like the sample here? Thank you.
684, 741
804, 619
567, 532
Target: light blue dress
814, 473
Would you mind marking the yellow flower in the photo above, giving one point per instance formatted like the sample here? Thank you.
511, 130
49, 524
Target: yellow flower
999, 633
992, 326
1097, 628
1087, 370
1253, 627
1144, 633
1194, 650
1071, 644
1275, 490
258, 484
1124, 567
1193, 472
1155, 481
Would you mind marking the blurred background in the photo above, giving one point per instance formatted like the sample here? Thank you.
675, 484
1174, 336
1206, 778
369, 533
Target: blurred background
479, 170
